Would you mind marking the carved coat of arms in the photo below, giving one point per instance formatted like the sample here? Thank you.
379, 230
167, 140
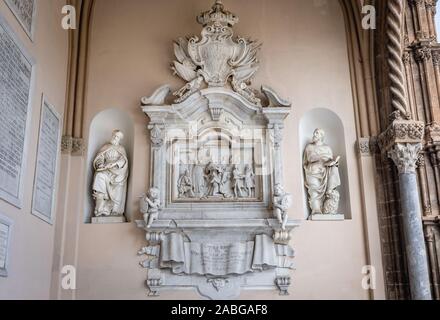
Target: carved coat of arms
218, 58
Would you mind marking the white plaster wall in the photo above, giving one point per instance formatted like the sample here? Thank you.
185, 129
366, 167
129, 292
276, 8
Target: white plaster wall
304, 57
32, 240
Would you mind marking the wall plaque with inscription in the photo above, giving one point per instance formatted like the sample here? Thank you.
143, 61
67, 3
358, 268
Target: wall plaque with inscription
47, 159
5, 236
15, 87
24, 10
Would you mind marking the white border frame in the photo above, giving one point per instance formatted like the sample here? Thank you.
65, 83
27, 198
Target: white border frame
50, 220
8, 222
29, 33
18, 201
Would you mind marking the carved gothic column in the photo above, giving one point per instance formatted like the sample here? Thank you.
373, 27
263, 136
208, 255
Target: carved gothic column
403, 144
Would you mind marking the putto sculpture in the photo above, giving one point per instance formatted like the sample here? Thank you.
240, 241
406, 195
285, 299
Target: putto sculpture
282, 201
110, 180
150, 206
321, 176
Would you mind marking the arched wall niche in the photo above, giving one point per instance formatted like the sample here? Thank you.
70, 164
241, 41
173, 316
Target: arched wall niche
100, 132
335, 137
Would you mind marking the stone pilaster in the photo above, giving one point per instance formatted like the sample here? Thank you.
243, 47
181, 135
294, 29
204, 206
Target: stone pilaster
275, 126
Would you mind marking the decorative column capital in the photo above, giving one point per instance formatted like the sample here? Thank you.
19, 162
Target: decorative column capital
367, 147
73, 146
433, 134
406, 157
402, 132
157, 134
423, 54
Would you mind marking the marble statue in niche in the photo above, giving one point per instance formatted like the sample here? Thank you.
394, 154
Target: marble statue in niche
321, 176
110, 180
150, 206
282, 201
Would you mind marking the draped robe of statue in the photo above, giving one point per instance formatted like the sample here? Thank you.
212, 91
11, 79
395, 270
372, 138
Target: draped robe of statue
321, 174
111, 174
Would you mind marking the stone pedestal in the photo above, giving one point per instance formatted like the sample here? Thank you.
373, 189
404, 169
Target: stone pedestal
108, 220
327, 217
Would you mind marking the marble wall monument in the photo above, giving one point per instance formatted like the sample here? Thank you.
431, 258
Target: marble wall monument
216, 215
110, 181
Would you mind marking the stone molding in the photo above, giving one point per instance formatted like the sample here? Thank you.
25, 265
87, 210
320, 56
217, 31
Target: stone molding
72, 146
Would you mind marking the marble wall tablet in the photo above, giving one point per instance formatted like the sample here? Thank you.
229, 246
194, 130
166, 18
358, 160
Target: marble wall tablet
15, 86
5, 238
24, 10
49, 143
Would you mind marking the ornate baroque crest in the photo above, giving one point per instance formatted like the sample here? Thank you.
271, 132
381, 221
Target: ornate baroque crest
218, 58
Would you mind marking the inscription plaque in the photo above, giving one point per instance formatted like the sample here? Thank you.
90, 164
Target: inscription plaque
47, 159
15, 86
24, 10
5, 234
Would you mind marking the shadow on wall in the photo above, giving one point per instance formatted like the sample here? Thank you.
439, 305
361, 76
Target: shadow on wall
334, 137
100, 133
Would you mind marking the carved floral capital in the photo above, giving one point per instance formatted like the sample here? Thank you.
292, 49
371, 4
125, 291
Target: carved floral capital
402, 132
433, 134
406, 157
73, 146
157, 135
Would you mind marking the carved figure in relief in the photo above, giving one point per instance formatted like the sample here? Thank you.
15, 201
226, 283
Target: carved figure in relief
321, 175
185, 185
150, 206
237, 182
282, 201
199, 180
110, 180
216, 180
249, 180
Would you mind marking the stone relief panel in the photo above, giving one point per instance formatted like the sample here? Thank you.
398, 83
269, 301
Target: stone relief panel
216, 167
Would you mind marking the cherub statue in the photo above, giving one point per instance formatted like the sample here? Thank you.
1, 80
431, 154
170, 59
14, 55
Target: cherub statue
281, 202
150, 206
